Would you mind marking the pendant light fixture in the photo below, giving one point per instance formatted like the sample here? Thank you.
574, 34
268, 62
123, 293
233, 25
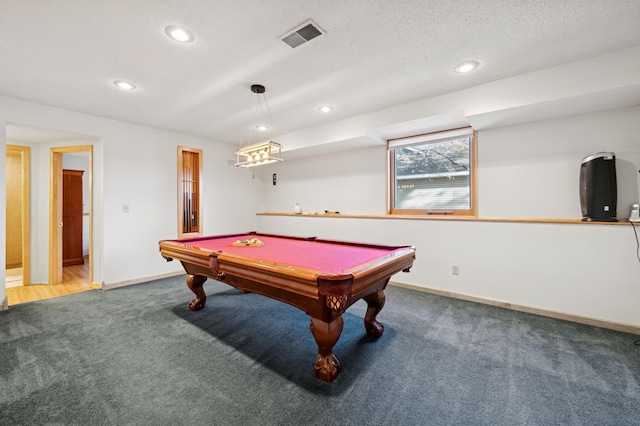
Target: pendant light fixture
258, 154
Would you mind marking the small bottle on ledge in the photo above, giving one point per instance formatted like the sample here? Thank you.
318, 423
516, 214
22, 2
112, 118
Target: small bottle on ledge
297, 209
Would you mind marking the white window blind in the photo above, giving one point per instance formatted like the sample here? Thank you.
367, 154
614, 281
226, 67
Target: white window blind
432, 172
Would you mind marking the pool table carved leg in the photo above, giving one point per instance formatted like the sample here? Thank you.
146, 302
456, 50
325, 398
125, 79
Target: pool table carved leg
194, 282
326, 334
375, 302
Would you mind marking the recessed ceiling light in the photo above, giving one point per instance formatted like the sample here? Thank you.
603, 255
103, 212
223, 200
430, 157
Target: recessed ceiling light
325, 109
262, 127
466, 66
180, 34
124, 85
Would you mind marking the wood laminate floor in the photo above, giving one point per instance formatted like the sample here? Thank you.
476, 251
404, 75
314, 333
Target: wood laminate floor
75, 279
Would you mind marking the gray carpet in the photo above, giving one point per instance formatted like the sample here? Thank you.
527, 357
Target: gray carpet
138, 356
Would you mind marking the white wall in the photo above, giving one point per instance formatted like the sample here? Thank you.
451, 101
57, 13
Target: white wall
133, 165
533, 169
141, 171
351, 182
528, 170
585, 270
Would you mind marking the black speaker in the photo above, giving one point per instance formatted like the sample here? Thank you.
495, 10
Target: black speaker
598, 187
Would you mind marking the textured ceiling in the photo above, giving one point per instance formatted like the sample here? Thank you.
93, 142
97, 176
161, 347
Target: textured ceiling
375, 54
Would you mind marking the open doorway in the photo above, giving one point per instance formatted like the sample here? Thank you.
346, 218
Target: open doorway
40, 142
70, 226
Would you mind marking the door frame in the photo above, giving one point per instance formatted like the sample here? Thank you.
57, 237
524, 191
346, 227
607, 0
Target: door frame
55, 210
25, 162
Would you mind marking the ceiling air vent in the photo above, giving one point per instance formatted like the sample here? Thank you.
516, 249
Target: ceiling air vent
302, 34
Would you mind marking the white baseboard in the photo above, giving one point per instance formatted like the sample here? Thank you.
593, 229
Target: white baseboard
5, 304
611, 325
111, 286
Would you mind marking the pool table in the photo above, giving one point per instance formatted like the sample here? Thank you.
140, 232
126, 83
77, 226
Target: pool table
321, 277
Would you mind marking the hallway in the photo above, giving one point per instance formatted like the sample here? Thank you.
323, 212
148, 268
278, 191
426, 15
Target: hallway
74, 280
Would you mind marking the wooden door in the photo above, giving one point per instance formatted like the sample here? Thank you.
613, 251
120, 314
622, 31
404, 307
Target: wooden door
14, 210
72, 217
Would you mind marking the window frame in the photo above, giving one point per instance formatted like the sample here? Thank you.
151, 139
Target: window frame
197, 168
432, 137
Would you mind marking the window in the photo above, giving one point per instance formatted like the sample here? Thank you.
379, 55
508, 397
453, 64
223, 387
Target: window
189, 192
433, 173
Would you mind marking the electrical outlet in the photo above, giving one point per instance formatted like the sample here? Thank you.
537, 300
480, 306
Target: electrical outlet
455, 270
125, 208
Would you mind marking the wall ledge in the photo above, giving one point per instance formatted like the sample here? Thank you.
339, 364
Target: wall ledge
446, 217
